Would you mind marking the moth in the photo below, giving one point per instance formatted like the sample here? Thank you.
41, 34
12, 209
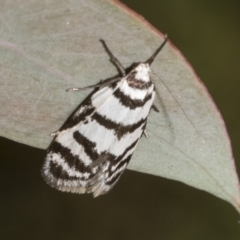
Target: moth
93, 147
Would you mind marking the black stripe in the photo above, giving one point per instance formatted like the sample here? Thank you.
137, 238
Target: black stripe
119, 129
116, 161
123, 162
106, 156
71, 160
119, 158
128, 101
114, 180
58, 172
116, 177
73, 120
138, 84
88, 146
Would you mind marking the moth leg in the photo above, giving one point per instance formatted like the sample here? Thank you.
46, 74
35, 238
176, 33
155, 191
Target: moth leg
54, 133
101, 84
145, 134
154, 107
102, 158
113, 59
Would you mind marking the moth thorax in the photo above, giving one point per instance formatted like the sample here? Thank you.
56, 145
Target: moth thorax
142, 72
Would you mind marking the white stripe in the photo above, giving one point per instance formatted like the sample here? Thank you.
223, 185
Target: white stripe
98, 134
115, 111
117, 171
134, 93
125, 157
106, 140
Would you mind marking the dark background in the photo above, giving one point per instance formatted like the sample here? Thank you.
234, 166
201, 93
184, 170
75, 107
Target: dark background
141, 206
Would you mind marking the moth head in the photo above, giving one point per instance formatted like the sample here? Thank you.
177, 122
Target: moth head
141, 72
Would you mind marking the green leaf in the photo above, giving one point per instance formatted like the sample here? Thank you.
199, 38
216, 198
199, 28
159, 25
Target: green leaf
47, 47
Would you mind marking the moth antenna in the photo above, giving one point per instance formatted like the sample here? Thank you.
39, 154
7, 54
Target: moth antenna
113, 59
151, 59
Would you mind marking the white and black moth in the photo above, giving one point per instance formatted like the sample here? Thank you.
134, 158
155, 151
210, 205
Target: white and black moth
92, 149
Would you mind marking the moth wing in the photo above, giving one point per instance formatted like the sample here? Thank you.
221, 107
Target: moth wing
92, 149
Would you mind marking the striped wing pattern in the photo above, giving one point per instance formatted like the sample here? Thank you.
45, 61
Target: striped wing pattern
92, 149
